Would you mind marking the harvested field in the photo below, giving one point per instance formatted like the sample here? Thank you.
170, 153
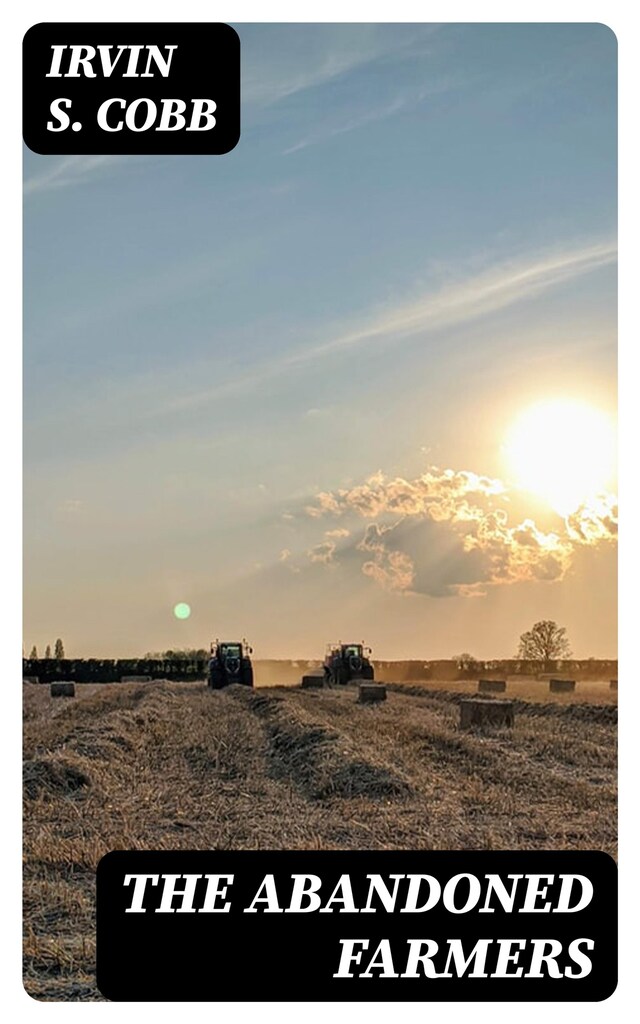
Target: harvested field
173, 765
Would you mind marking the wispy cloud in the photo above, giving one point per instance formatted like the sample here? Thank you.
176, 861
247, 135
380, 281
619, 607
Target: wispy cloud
71, 170
377, 112
494, 289
464, 300
358, 120
310, 60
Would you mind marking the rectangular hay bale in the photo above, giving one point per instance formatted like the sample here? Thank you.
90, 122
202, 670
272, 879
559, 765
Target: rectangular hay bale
477, 712
62, 690
371, 693
613, 684
491, 686
562, 685
312, 682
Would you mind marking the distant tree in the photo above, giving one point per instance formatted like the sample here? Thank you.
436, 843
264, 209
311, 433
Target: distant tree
34, 653
466, 660
545, 641
59, 650
47, 652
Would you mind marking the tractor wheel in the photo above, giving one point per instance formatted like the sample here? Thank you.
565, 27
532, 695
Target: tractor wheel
216, 681
367, 672
246, 678
342, 675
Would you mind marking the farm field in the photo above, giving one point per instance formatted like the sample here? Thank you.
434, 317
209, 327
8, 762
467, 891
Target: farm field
174, 765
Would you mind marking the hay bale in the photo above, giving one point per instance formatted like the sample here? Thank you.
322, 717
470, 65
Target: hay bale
476, 712
371, 693
312, 682
562, 685
491, 686
613, 684
135, 679
62, 690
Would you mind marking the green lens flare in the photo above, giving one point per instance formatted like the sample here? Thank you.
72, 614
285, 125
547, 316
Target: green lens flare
182, 610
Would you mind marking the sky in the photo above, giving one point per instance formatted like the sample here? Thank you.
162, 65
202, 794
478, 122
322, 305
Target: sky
281, 385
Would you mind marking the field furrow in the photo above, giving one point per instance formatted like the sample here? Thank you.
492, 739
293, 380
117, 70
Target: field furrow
176, 766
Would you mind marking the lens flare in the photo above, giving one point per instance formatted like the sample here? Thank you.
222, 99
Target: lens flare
182, 610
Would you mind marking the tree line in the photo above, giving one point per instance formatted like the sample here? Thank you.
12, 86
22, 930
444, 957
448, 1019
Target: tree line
545, 641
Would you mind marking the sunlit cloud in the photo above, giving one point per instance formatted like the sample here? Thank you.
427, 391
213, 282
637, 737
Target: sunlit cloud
440, 494
391, 569
594, 522
450, 532
322, 553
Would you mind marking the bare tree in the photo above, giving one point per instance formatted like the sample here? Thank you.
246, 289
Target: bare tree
34, 653
545, 641
47, 652
59, 650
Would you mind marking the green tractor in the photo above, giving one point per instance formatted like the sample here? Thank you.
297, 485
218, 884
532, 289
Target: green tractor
230, 663
344, 662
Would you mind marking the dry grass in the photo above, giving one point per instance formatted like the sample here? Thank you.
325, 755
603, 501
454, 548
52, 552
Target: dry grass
172, 765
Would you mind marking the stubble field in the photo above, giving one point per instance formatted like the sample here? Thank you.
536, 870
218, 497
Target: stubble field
176, 766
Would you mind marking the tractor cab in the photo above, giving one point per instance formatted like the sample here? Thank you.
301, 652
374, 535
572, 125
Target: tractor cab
352, 650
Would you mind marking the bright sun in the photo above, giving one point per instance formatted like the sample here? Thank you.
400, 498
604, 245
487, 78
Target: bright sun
564, 451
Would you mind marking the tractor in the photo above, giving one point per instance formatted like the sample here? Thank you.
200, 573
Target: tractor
344, 662
230, 663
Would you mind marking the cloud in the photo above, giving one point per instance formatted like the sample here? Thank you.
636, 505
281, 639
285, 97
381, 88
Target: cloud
488, 291
393, 569
378, 112
71, 170
460, 301
448, 532
505, 283
595, 522
439, 494
340, 532
310, 60
322, 553
285, 554
519, 553
72, 505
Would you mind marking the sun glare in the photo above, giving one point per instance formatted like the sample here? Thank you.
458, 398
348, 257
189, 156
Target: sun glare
563, 451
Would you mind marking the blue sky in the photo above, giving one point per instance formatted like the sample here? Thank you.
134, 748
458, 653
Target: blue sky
413, 240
